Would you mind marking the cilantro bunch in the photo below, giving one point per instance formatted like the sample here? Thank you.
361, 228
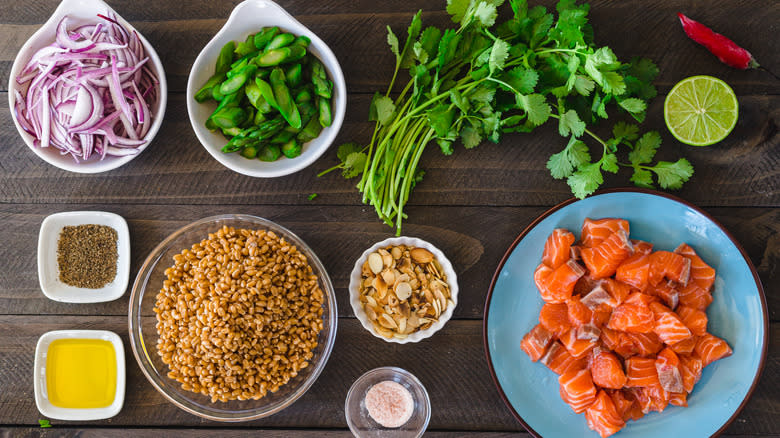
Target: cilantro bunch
482, 79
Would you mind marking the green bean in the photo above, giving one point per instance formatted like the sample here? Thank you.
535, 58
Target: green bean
269, 153
322, 86
229, 117
205, 93
294, 75
310, 131
326, 117
246, 47
287, 106
279, 41
265, 36
291, 149
267, 92
249, 151
273, 57
225, 57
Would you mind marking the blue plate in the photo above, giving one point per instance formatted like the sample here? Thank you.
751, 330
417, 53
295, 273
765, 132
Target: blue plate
738, 314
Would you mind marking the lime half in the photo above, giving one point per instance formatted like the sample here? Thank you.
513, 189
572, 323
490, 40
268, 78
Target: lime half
701, 110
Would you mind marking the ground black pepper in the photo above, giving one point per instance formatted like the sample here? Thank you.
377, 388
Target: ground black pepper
87, 255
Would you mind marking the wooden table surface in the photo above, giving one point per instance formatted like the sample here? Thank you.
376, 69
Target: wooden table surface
471, 205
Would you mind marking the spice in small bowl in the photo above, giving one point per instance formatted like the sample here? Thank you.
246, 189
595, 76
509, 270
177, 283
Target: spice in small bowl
403, 289
387, 402
84, 256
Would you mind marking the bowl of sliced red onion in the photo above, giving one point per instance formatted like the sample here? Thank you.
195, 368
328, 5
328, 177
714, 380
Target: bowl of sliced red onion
87, 91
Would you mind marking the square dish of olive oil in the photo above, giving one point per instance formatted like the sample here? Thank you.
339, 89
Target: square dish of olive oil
79, 374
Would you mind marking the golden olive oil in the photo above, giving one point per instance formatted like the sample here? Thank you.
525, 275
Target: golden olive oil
81, 373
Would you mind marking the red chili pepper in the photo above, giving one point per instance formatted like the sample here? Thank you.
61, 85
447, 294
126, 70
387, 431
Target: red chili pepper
726, 50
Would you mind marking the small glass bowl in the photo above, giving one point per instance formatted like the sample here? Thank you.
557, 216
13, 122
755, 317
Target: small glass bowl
360, 422
143, 332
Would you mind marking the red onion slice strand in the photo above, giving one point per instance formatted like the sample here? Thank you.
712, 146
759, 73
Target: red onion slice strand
71, 94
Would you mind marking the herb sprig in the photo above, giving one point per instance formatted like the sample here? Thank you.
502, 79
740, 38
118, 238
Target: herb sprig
475, 83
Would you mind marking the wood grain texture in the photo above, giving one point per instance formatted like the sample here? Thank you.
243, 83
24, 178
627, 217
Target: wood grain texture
474, 239
462, 393
743, 170
355, 32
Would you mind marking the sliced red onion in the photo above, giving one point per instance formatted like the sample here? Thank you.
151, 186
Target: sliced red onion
73, 93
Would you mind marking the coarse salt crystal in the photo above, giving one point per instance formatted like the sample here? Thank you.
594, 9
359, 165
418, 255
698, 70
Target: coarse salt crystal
389, 404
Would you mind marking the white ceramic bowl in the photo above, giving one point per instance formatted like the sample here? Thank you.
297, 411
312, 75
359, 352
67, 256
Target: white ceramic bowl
354, 288
247, 18
48, 273
80, 12
59, 413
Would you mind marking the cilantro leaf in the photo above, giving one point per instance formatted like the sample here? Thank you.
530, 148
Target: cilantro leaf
482, 94
645, 148
633, 105
673, 175
498, 55
586, 180
559, 165
392, 40
429, 42
470, 137
578, 154
447, 47
44, 423
522, 79
583, 85
570, 122
609, 163
642, 178
643, 69
486, 13
312, 196
613, 83
419, 53
407, 55
346, 149
519, 8
457, 8
459, 100
535, 106
623, 130
354, 164
440, 118
381, 109
445, 145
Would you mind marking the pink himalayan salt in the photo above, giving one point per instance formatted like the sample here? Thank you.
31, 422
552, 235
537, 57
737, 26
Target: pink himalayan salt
389, 404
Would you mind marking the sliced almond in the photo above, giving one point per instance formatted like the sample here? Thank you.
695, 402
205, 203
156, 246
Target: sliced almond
370, 313
404, 309
396, 252
399, 335
387, 259
403, 291
380, 286
413, 321
375, 263
392, 301
387, 321
421, 255
388, 276
383, 331
441, 299
371, 301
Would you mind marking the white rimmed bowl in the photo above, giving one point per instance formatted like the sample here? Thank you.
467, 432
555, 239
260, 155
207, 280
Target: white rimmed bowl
355, 279
81, 12
48, 271
247, 18
45, 406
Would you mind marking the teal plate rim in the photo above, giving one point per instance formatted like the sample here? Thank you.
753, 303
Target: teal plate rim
543, 216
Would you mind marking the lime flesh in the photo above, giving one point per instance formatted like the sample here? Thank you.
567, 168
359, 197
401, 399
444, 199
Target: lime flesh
701, 110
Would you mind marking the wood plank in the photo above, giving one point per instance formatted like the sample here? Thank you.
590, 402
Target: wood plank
70, 432
473, 238
357, 37
458, 360
744, 170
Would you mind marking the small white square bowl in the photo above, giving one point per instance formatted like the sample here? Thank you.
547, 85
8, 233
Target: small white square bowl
39, 380
48, 272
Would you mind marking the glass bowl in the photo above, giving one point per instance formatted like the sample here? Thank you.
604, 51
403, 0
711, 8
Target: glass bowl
360, 422
143, 332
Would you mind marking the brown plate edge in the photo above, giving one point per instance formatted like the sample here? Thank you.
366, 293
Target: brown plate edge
535, 222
